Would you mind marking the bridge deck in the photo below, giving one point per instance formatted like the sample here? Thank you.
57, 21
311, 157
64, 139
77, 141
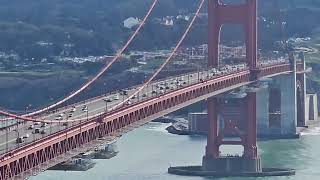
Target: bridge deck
193, 87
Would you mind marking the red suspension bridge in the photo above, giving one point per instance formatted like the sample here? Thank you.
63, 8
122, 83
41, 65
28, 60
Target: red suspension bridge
116, 113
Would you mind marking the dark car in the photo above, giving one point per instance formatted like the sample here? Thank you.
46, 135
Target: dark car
19, 140
36, 131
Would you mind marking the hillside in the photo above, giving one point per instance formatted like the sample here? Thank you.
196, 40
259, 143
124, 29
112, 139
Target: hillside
40, 29
95, 28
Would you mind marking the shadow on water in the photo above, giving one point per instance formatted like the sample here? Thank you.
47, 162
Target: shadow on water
147, 152
294, 153
197, 137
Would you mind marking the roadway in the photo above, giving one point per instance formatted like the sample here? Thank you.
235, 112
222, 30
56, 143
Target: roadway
32, 131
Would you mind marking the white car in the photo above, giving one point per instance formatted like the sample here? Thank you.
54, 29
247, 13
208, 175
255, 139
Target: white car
116, 97
73, 110
58, 118
37, 123
85, 108
43, 124
128, 102
26, 136
31, 126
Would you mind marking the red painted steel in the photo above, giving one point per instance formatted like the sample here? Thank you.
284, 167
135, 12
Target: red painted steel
250, 146
264, 71
245, 14
139, 89
212, 149
24, 158
104, 69
188, 29
55, 145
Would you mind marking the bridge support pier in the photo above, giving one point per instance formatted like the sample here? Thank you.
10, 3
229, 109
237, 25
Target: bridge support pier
302, 117
286, 85
249, 162
287, 104
214, 164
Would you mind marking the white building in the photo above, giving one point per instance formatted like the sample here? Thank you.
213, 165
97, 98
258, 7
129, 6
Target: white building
130, 22
169, 22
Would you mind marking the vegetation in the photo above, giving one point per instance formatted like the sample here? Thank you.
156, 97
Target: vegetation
40, 29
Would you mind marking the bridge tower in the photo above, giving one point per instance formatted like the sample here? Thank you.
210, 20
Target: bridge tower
218, 15
244, 14
214, 164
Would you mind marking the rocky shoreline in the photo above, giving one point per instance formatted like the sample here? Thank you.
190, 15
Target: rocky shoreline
179, 126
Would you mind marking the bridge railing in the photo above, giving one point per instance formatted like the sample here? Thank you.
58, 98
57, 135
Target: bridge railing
203, 75
95, 119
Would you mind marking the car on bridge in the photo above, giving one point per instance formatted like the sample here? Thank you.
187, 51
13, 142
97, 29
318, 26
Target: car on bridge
128, 102
43, 124
26, 136
108, 100
59, 117
19, 140
124, 92
36, 131
74, 109
85, 108
116, 97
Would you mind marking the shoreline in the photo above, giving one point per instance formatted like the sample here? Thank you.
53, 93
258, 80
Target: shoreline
176, 128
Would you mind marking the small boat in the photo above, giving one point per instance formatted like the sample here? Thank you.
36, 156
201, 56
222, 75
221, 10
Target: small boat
75, 164
106, 151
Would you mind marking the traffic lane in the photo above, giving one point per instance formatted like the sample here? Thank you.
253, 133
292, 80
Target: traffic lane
78, 111
100, 102
100, 109
97, 104
12, 137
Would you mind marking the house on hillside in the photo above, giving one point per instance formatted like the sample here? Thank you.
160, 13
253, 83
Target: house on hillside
130, 22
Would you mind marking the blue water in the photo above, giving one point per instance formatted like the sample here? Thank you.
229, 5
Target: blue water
147, 152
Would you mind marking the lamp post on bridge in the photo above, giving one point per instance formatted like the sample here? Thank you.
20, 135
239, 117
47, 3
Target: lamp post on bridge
103, 88
26, 111
7, 147
27, 108
88, 114
106, 102
18, 136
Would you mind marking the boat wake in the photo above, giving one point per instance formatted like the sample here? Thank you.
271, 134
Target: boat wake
311, 132
160, 127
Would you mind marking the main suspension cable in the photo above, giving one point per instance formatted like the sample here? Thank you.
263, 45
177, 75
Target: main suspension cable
137, 91
103, 70
168, 59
